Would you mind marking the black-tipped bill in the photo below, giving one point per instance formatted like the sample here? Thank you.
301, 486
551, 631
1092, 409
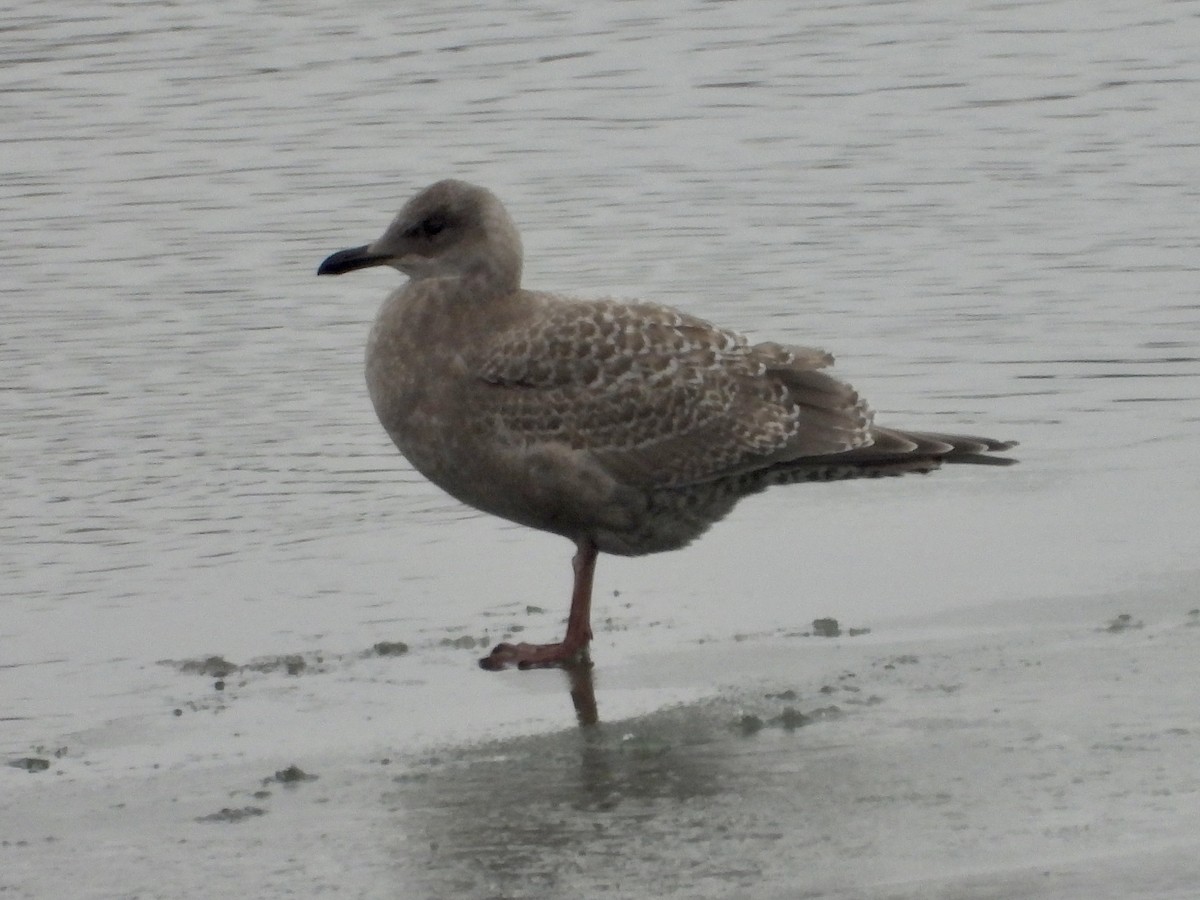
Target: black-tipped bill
349, 260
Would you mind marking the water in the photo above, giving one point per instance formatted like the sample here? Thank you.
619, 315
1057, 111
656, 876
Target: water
986, 210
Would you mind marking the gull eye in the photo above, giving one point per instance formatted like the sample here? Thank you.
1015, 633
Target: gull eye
427, 229
432, 226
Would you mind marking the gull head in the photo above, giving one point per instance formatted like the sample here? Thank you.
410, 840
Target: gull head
451, 229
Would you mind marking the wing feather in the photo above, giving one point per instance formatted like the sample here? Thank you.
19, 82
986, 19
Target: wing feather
660, 398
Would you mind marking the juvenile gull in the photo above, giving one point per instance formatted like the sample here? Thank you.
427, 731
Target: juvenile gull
628, 427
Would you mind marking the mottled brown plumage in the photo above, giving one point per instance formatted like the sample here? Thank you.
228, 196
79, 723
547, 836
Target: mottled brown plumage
627, 427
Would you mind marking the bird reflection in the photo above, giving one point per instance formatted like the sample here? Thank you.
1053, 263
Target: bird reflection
569, 805
583, 690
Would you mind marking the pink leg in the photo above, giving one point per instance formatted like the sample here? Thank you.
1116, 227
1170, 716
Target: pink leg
579, 628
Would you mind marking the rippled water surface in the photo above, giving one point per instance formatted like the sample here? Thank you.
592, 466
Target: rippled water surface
986, 210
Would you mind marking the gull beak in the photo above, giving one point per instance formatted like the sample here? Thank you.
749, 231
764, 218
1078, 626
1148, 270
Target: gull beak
349, 260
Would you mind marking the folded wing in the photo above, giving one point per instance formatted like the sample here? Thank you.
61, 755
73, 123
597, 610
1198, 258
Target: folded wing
661, 399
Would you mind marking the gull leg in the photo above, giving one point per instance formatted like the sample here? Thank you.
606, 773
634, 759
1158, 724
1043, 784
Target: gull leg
579, 627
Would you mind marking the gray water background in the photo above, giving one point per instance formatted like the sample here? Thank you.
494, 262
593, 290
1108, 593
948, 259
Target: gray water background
988, 211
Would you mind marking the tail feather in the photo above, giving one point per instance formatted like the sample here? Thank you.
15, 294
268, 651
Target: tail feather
892, 452
970, 449
954, 448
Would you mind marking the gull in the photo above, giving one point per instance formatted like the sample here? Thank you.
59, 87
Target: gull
628, 427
